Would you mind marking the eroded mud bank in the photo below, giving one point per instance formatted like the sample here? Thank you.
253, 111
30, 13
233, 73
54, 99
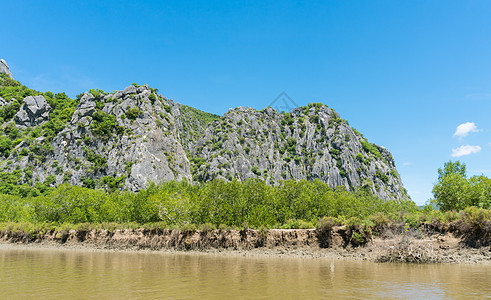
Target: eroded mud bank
336, 243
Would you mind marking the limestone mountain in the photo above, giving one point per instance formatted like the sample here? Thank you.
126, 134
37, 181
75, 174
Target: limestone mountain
311, 142
130, 138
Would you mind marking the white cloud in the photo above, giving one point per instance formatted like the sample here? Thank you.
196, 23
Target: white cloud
407, 163
464, 129
465, 150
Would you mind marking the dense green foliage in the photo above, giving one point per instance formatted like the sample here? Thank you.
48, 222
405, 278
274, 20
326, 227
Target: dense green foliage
104, 124
370, 148
14, 92
133, 113
202, 116
62, 109
13, 89
454, 191
235, 203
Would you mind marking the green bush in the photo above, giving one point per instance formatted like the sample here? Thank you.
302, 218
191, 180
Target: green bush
256, 171
371, 148
297, 224
152, 98
5, 146
104, 124
454, 191
133, 113
383, 177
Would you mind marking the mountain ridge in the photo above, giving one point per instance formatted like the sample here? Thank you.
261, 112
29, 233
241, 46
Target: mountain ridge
130, 138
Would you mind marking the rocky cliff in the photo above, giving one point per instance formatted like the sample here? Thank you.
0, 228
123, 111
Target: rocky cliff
4, 69
310, 143
129, 138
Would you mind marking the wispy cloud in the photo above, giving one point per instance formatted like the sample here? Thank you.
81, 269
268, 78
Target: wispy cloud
408, 163
465, 150
464, 129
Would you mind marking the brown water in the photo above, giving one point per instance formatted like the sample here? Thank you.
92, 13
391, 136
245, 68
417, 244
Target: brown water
70, 274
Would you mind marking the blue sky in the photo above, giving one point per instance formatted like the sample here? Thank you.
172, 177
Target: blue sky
404, 73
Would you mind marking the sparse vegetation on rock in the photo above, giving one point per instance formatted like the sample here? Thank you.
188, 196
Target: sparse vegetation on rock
164, 140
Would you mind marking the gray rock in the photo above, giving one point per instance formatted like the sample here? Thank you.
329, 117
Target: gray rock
86, 107
22, 118
170, 141
34, 111
129, 90
317, 144
4, 68
3, 102
145, 150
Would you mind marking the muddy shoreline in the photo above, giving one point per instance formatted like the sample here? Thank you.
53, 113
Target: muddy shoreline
308, 243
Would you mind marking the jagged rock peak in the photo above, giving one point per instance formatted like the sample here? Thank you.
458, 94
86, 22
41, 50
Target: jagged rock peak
35, 111
4, 68
129, 138
308, 143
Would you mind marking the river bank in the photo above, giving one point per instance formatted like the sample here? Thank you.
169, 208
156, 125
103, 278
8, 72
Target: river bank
392, 246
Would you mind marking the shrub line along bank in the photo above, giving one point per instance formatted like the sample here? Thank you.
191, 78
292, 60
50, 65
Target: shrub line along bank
235, 203
232, 205
385, 241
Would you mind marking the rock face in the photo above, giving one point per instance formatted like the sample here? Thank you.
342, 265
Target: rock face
129, 138
124, 136
3, 102
309, 143
34, 111
4, 68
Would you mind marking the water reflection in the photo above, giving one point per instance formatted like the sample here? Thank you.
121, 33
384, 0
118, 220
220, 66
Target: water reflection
47, 274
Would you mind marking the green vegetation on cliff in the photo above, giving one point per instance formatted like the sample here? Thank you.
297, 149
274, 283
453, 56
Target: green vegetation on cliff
49, 139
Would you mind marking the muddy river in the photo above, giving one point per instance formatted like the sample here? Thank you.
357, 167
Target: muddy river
72, 274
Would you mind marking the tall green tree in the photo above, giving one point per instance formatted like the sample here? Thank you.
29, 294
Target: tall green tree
480, 191
454, 191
